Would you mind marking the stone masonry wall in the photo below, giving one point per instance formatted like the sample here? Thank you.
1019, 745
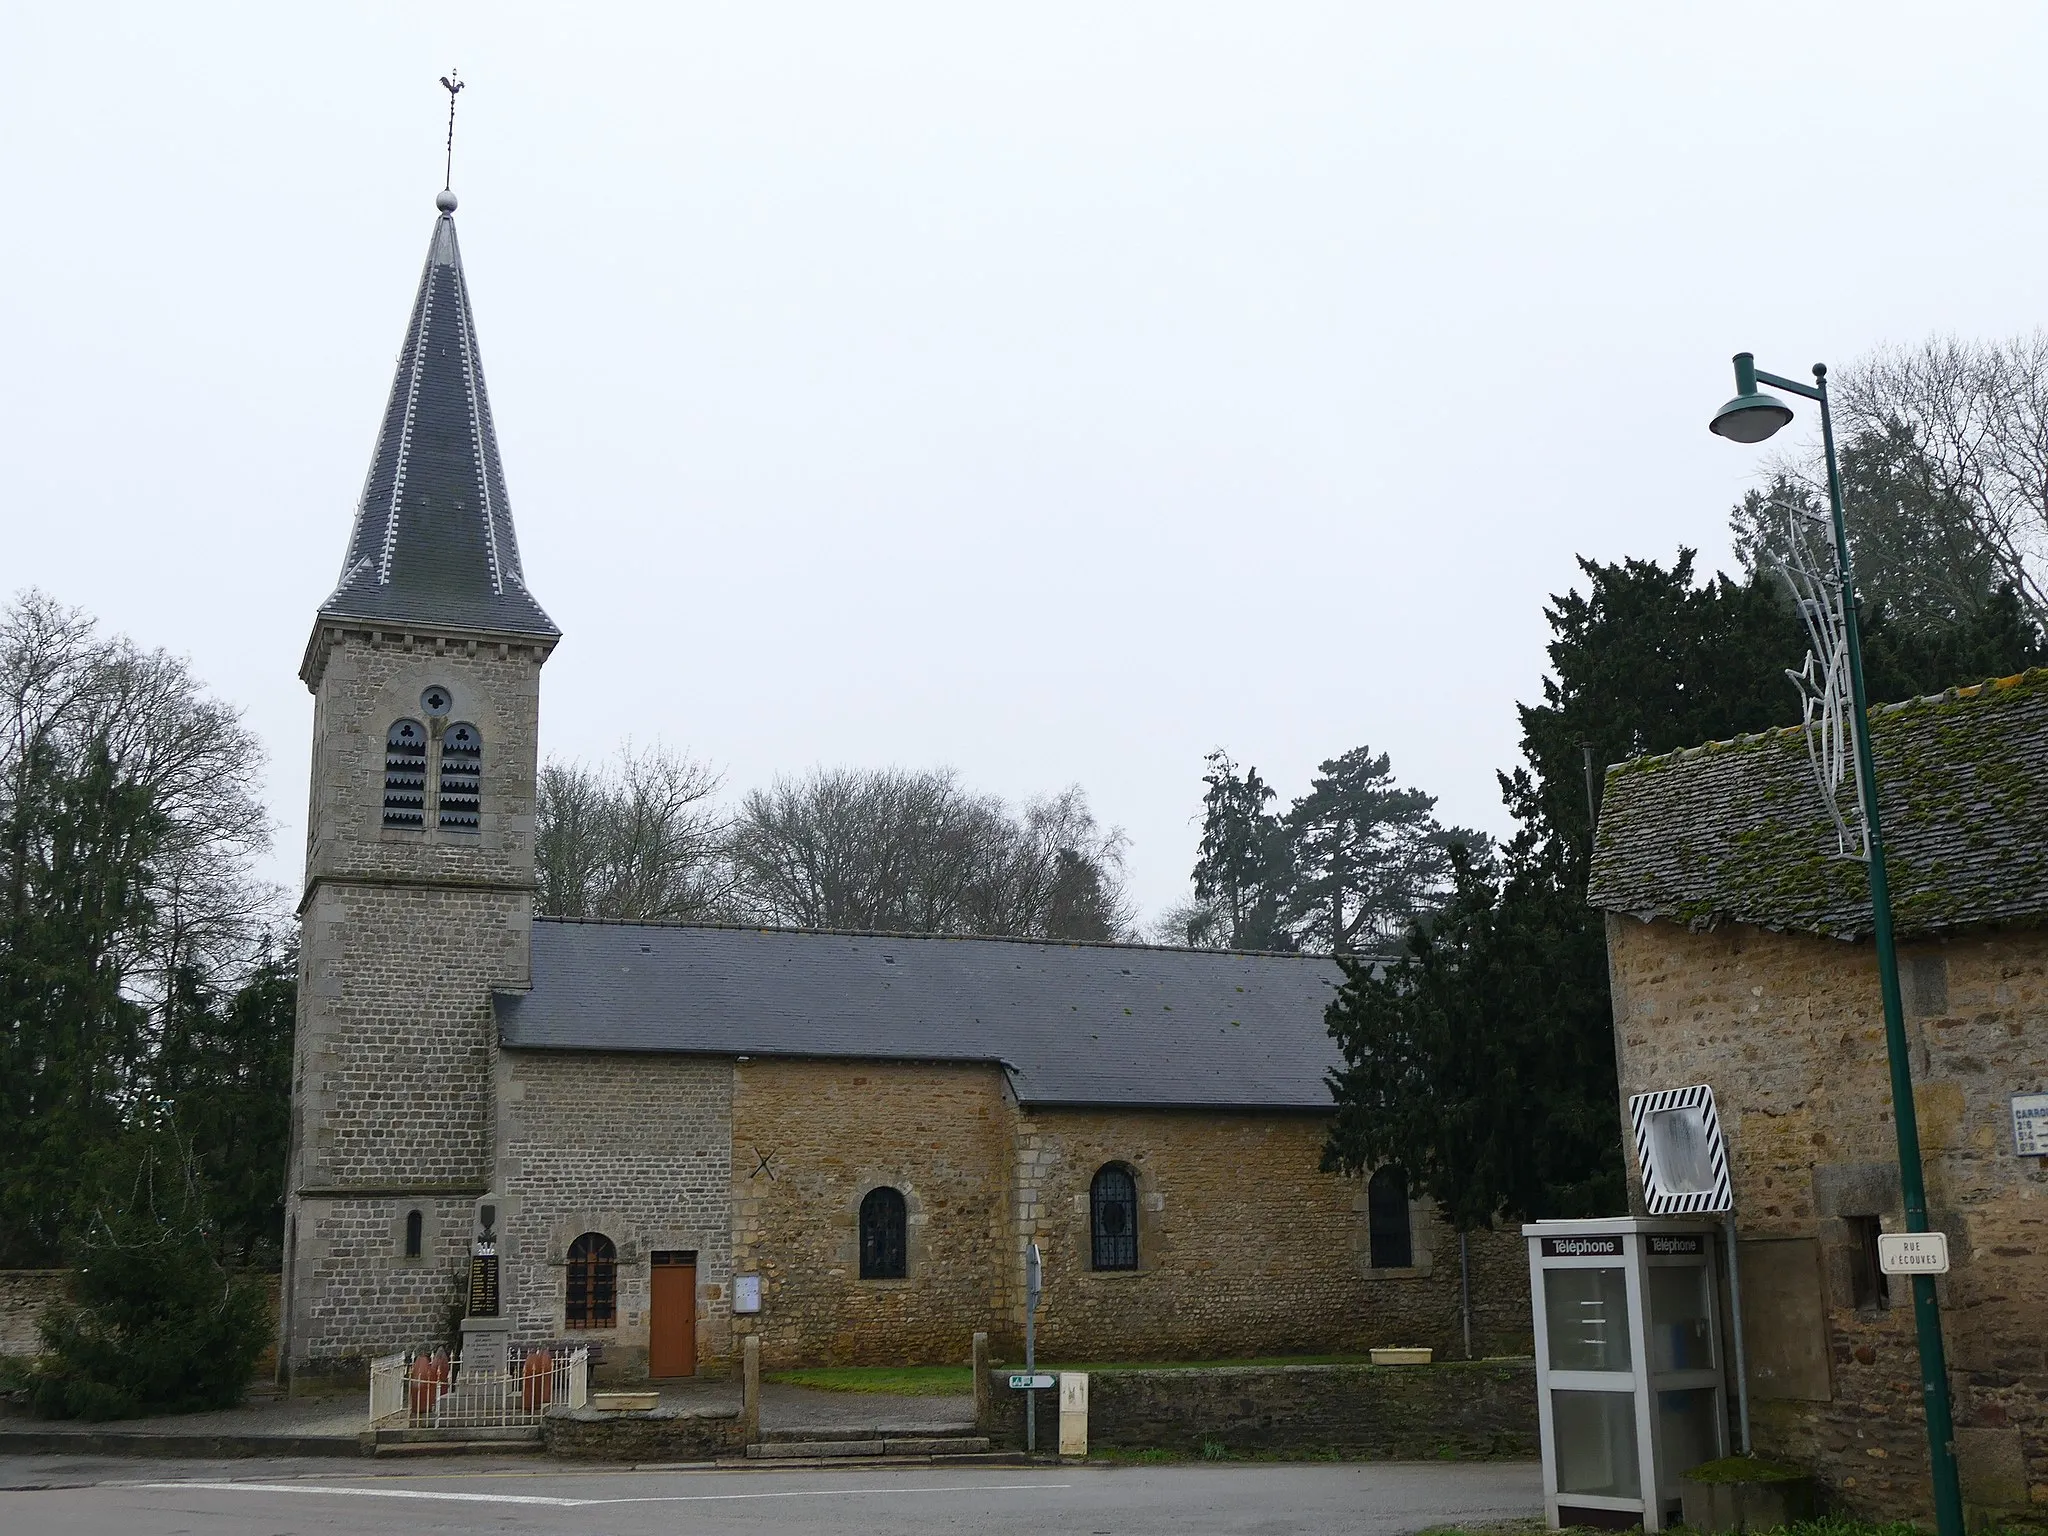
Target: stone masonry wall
405, 933
1789, 1031
1428, 1412
810, 1140
1245, 1247
24, 1294
358, 1295
365, 681
636, 1147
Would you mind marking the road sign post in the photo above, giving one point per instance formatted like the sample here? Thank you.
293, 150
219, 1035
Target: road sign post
1034, 1275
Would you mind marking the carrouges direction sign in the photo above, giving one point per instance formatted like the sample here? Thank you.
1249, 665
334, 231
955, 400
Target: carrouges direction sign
1038, 1383
1913, 1253
2030, 1124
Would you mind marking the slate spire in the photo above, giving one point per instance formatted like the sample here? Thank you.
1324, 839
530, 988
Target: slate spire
433, 545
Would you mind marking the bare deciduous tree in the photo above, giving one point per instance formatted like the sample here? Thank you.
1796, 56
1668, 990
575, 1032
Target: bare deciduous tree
63, 687
1945, 451
641, 838
909, 851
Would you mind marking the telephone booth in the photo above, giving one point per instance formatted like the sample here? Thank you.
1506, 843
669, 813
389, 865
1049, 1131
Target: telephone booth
1629, 1380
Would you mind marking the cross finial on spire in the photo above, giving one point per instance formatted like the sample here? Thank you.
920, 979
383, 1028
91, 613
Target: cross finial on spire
453, 83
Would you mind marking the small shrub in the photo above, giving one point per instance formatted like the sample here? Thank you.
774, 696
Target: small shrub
154, 1323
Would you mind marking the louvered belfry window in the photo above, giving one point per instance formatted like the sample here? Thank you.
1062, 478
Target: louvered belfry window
462, 775
405, 775
592, 1297
882, 1235
1113, 1218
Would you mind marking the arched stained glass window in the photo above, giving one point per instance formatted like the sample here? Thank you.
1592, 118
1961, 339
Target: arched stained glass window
1386, 1214
883, 1224
462, 772
1113, 1218
405, 774
593, 1283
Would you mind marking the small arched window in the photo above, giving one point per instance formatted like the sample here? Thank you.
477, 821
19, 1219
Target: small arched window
1386, 1215
405, 774
882, 1232
462, 777
1113, 1218
415, 1224
593, 1286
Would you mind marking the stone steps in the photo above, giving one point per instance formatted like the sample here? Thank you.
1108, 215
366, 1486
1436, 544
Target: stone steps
453, 1441
863, 1444
869, 1432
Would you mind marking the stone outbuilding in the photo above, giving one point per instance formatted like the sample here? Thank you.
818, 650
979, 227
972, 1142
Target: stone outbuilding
1738, 944
841, 1142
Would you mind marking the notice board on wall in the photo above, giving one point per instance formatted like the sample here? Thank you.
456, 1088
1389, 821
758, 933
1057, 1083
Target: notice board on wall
1785, 1320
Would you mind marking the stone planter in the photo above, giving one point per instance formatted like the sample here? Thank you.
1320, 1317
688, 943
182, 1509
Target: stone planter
1746, 1493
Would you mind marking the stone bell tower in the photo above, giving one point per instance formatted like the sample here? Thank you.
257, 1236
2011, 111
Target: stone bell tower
425, 667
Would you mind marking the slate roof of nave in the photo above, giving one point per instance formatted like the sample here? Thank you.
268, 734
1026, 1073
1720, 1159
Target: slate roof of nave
433, 543
1736, 831
1071, 1023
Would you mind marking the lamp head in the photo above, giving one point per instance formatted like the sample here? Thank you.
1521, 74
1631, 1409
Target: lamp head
1751, 416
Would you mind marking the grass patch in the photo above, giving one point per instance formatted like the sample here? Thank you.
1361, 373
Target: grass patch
1827, 1525
1744, 1469
892, 1380
958, 1380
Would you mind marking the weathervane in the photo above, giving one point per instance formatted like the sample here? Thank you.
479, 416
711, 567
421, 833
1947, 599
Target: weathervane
453, 81
1808, 565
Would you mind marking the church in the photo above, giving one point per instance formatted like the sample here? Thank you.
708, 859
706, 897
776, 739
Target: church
675, 1136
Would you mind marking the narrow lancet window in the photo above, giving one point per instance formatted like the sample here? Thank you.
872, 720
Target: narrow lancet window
882, 1235
1387, 1228
462, 774
1113, 1218
405, 775
591, 1299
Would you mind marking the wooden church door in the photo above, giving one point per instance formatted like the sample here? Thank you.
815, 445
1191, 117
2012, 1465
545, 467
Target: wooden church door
672, 1321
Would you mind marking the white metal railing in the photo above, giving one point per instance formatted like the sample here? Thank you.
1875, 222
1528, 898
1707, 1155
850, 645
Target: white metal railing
428, 1390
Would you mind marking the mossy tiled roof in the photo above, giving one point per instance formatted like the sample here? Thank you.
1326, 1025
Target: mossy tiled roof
1735, 831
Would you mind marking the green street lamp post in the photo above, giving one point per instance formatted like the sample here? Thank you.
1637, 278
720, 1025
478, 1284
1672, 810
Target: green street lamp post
1750, 418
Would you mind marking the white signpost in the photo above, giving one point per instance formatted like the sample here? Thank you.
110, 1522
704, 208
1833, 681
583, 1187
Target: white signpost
1913, 1253
1034, 1280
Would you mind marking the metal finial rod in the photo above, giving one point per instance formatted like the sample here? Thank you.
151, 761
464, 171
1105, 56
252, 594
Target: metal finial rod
453, 81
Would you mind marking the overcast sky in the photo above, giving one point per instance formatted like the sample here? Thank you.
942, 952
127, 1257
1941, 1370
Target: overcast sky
1053, 391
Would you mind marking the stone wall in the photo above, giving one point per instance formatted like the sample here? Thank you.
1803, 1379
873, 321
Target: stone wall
1789, 1031
363, 681
638, 1148
24, 1294
1431, 1412
665, 1435
1245, 1247
810, 1140
405, 932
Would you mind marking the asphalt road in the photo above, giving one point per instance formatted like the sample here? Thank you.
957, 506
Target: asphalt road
84, 1496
